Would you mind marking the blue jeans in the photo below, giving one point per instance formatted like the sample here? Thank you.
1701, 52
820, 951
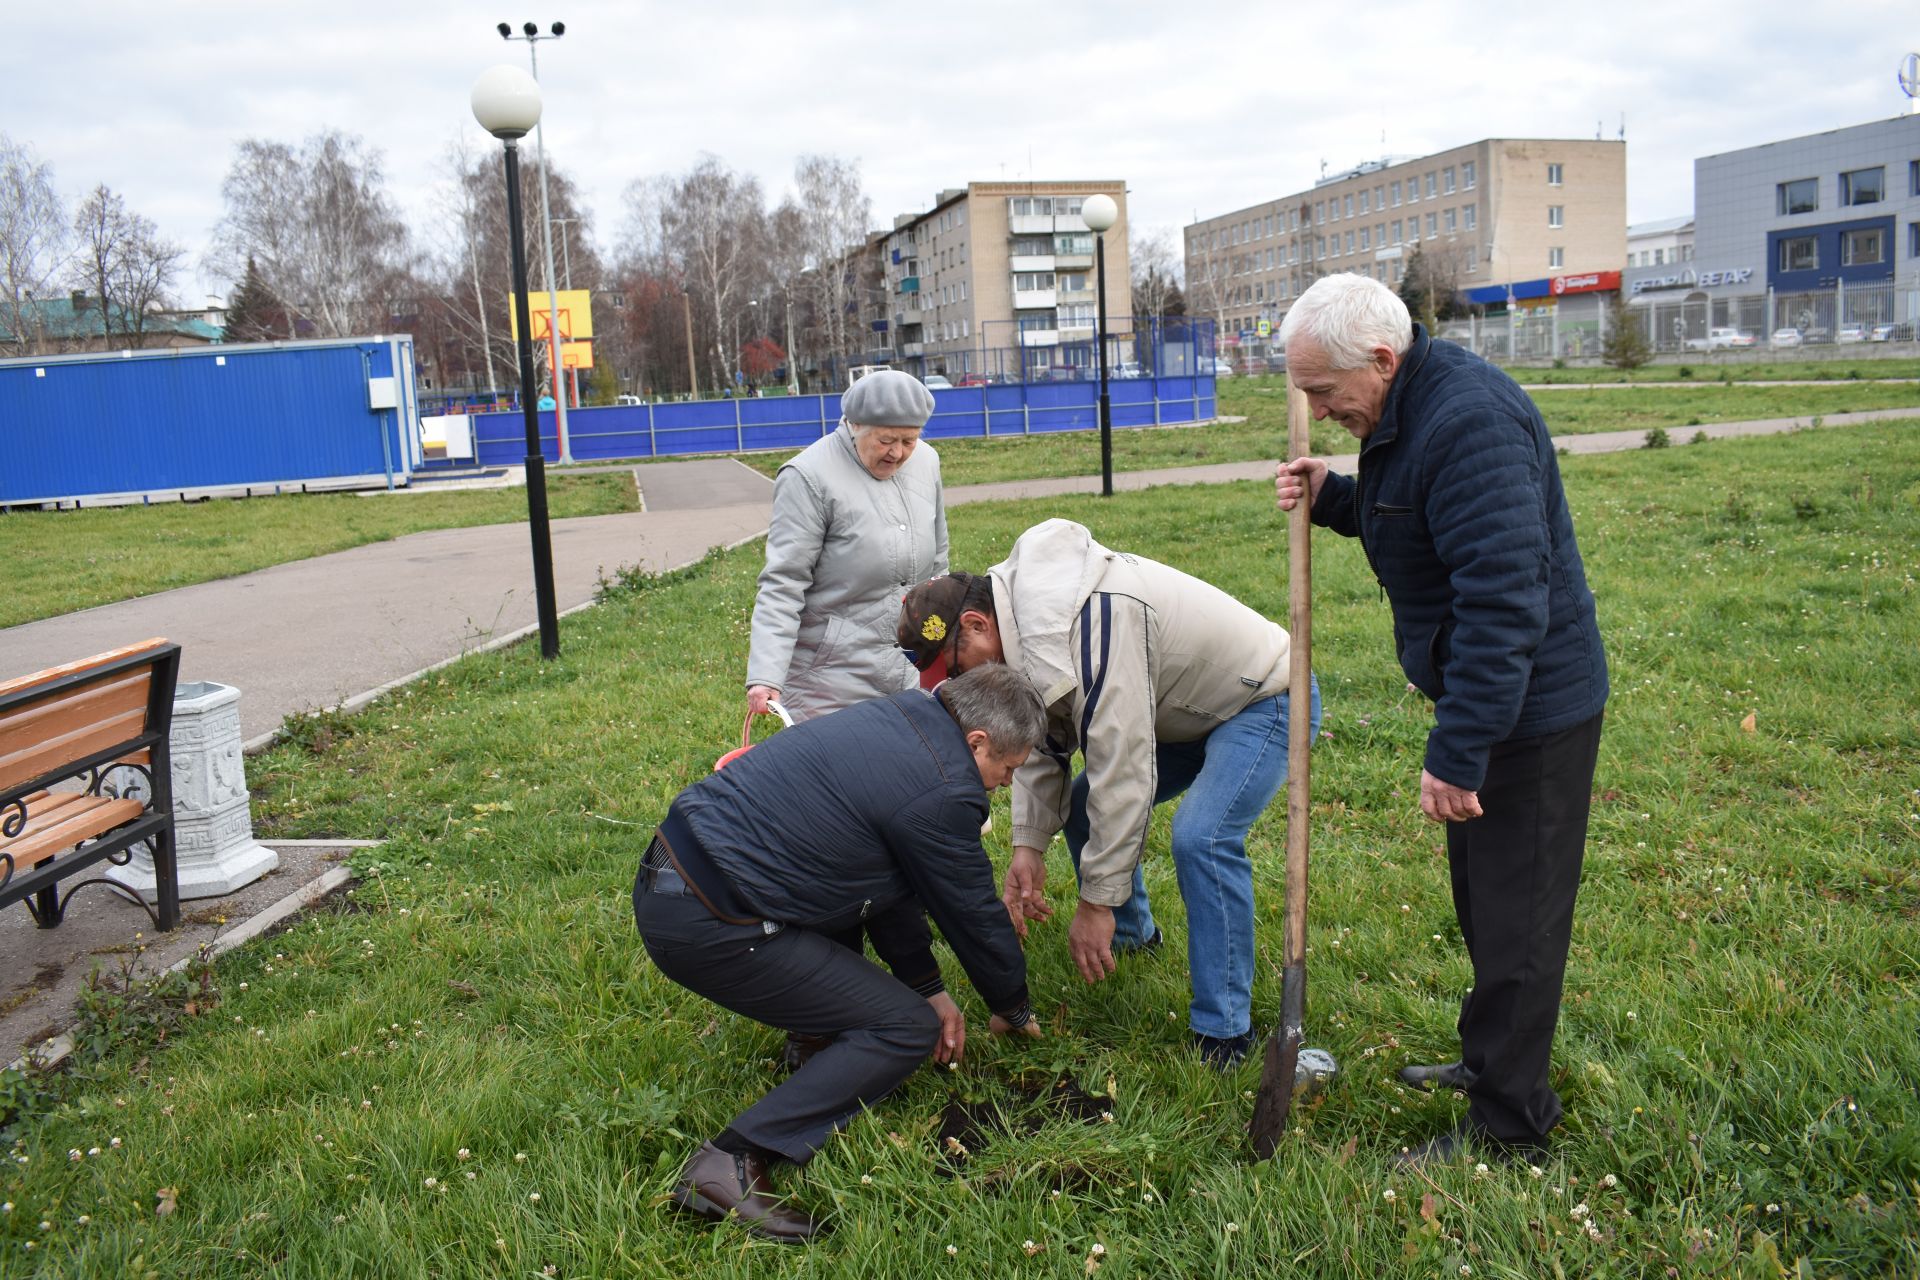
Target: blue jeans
1229, 777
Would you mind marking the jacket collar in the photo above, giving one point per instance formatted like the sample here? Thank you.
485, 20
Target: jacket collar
1388, 428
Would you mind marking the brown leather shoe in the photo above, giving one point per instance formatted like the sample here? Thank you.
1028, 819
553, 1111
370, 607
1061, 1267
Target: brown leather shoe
800, 1049
716, 1184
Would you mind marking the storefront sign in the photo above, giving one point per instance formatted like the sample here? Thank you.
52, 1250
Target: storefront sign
1591, 282
1689, 279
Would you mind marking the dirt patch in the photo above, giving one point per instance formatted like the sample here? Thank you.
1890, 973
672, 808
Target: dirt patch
968, 1126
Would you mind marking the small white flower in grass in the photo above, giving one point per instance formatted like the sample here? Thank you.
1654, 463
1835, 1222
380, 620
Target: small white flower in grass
1632, 1016
366, 1104
1465, 1269
114, 1143
1610, 1181
1773, 1208
953, 1251
1534, 1170
73, 1153
1054, 1194
471, 1175
1098, 1251
1480, 1170
243, 986
500, 1242
1438, 938
45, 1225
7, 1207
1146, 1197
866, 1179
1030, 1248
1233, 1228
519, 1157
465, 1154
339, 1218
432, 1183
93, 1151
1580, 1211
1388, 1195
533, 1197
1106, 1117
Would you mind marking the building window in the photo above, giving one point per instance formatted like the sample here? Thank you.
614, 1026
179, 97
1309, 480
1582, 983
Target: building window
1659, 257
1366, 238
1862, 248
1471, 216
1556, 258
1027, 206
1467, 175
1452, 219
1349, 204
1074, 282
1913, 177
1913, 239
1446, 180
1396, 187
1068, 206
1473, 257
1433, 225
1430, 186
1554, 175
1028, 281
1556, 215
1802, 195
1319, 212
1379, 197
1349, 242
1396, 231
1864, 186
1413, 190
1801, 253
1363, 202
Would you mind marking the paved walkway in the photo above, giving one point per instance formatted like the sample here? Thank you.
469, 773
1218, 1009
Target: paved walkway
341, 629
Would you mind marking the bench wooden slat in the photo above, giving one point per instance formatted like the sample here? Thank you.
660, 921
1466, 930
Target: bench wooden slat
45, 733
75, 668
63, 819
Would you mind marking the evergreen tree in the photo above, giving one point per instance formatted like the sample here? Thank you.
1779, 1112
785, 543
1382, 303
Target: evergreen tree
1626, 346
253, 313
1417, 291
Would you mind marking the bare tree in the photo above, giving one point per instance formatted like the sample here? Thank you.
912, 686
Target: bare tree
1156, 271
327, 238
33, 242
124, 262
1210, 270
713, 229
834, 217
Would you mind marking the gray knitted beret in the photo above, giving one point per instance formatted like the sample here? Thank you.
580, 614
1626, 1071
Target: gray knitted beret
887, 398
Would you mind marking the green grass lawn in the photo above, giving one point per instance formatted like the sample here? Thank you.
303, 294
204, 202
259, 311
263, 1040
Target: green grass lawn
61, 561
469, 1067
1714, 367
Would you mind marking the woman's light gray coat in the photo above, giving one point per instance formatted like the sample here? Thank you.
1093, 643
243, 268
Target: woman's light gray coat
842, 549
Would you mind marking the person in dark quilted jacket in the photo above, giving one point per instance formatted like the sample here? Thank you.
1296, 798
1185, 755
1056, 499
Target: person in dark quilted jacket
1457, 501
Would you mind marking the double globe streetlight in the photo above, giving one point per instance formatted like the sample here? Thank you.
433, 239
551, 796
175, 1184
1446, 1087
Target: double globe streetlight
506, 102
1100, 213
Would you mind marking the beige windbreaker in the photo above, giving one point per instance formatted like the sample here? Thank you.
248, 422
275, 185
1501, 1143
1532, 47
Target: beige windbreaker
1125, 652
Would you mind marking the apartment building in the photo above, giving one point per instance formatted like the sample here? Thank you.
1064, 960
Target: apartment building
1500, 220
997, 280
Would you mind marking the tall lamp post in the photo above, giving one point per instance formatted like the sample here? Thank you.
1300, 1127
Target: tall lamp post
530, 32
1100, 213
566, 269
506, 102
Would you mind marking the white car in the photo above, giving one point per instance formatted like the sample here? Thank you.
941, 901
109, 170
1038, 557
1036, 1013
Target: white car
1788, 337
1851, 333
1128, 369
937, 382
1720, 340
626, 400
1222, 367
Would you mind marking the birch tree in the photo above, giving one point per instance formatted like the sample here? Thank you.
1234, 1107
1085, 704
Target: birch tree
33, 245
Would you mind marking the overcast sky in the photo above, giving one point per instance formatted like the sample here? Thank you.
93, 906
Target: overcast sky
1200, 108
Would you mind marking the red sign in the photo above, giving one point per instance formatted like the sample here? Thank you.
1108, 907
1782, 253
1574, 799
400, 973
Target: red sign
1592, 282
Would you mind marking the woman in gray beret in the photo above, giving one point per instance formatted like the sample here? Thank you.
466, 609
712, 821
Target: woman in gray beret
858, 519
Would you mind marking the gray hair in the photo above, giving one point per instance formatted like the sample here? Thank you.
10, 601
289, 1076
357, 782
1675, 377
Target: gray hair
1347, 316
998, 700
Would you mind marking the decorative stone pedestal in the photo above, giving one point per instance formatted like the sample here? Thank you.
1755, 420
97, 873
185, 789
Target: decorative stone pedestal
213, 826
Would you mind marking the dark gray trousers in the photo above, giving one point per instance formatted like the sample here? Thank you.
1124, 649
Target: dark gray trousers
1516, 871
797, 981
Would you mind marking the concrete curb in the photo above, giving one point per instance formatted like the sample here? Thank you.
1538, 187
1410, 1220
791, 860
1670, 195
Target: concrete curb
56, 1050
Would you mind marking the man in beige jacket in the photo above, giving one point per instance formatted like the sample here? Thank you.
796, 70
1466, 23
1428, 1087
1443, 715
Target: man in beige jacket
1165, 685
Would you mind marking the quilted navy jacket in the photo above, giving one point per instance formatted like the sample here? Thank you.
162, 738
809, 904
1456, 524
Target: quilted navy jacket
1459, 506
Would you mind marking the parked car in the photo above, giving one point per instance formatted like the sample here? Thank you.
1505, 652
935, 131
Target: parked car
971, 380
625, 399
1788, 337
1222, 367
1817, 333
1891, 333
1128, 369
1851, 333
1720, 340
937, 382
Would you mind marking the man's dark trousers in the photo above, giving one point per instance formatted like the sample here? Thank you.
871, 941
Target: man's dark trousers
1516, 871
798, 981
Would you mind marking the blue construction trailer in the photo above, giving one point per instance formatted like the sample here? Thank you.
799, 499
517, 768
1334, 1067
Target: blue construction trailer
224, 420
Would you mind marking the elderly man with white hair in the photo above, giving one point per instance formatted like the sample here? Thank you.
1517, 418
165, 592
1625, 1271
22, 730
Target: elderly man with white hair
1459, 505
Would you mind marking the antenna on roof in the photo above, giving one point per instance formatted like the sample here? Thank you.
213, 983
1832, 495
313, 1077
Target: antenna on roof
1910, 81
1598, 125
1623, 126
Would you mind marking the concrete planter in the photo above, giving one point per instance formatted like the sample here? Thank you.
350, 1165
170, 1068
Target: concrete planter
213, 826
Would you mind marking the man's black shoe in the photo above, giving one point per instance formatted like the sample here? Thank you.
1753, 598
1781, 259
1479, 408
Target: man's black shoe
1447, 1075
1150, 947
1224, 1053
1463, 1140
716, 1184
800, 1049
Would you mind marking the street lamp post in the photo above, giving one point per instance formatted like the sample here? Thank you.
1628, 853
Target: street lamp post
1100, 213
566, 268
506, 102
530, 32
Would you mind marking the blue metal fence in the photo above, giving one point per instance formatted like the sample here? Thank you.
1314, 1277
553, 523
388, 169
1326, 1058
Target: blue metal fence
792, 422
185, 422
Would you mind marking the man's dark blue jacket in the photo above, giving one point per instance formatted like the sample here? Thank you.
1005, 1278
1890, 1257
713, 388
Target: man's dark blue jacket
869, 813
1459, 506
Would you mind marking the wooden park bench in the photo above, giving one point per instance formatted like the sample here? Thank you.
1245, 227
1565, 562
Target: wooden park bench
85, 776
